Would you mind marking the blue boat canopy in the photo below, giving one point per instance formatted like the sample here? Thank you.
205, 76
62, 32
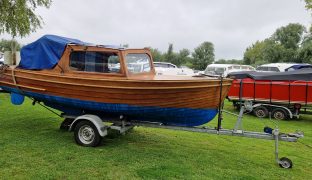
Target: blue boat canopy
46, 52
299, 66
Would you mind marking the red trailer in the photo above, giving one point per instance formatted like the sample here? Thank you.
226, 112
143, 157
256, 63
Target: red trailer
284, 94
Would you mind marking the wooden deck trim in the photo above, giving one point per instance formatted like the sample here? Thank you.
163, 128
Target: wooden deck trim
22, 86
114, 87
113, 79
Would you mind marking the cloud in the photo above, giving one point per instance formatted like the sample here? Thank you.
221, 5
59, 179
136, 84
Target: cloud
232, 25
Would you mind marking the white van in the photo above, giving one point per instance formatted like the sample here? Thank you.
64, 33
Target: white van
225, 69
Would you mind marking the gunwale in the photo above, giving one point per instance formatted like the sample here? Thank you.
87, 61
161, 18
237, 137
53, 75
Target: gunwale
116, 87
60, 75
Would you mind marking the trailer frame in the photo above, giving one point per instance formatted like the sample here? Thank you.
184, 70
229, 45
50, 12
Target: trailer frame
122, 125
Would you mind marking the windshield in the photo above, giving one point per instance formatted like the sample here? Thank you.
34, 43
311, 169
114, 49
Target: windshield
264, 68
138, 63
214, 70
164, 65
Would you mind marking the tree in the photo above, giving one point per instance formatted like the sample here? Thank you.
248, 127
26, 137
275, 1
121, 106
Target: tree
6, 45
282, 46
289, 36
170, 55
203, 55
156, 54
254, 54
273, 52
180, 58
183, 57
18, 18
229, 61
305, 52
308, 4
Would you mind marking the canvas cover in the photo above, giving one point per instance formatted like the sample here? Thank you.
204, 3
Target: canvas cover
303, 75
299, 66
46, 52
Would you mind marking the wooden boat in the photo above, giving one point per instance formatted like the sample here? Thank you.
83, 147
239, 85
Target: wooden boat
107, 80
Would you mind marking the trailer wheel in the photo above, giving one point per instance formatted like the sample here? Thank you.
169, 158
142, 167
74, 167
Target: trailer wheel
286, 163
261, 112
279, 114
86, 134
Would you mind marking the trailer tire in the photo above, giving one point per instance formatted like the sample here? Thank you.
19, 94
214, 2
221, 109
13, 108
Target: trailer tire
86, 134
286, 163
279, 114
261, 112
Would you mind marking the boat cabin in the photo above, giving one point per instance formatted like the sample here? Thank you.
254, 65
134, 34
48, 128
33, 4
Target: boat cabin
67, 56
101, 60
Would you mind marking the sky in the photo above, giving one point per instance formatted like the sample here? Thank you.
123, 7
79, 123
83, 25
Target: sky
231, 25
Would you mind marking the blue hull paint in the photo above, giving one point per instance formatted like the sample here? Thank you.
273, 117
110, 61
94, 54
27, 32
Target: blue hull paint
168, 116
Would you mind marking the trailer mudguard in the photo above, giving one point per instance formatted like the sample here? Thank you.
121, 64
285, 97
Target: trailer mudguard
95, 120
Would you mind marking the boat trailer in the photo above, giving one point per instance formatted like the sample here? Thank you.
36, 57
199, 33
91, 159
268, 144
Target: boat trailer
90, 129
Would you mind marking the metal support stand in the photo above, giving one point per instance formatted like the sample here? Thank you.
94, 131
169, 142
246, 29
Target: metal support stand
238, 125
283, 162
122, 128
220, 106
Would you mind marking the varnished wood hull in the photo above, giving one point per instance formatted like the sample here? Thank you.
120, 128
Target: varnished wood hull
176, 102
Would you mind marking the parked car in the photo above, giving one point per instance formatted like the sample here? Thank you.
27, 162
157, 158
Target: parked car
281, 67
225, 69
165, 68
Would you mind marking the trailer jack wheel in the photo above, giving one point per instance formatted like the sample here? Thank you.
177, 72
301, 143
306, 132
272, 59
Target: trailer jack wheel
286, 163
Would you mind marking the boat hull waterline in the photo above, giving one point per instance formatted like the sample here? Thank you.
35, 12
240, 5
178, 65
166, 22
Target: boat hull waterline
168, 116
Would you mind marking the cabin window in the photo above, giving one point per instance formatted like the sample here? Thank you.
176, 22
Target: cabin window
159, 65
274, 69
262, 68
138, 63
88, 61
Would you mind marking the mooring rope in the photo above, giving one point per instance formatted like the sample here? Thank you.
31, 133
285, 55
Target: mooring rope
3, 68
13, 77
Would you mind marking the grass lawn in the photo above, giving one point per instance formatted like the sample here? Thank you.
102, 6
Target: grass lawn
33, 147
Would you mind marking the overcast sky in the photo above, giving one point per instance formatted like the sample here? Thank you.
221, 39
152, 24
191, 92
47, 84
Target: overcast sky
231, 25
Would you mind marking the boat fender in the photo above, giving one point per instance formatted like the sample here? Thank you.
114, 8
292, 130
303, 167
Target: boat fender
268, 130
98, 123
17, 99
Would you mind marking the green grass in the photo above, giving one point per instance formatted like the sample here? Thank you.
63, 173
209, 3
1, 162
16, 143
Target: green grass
33, 147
